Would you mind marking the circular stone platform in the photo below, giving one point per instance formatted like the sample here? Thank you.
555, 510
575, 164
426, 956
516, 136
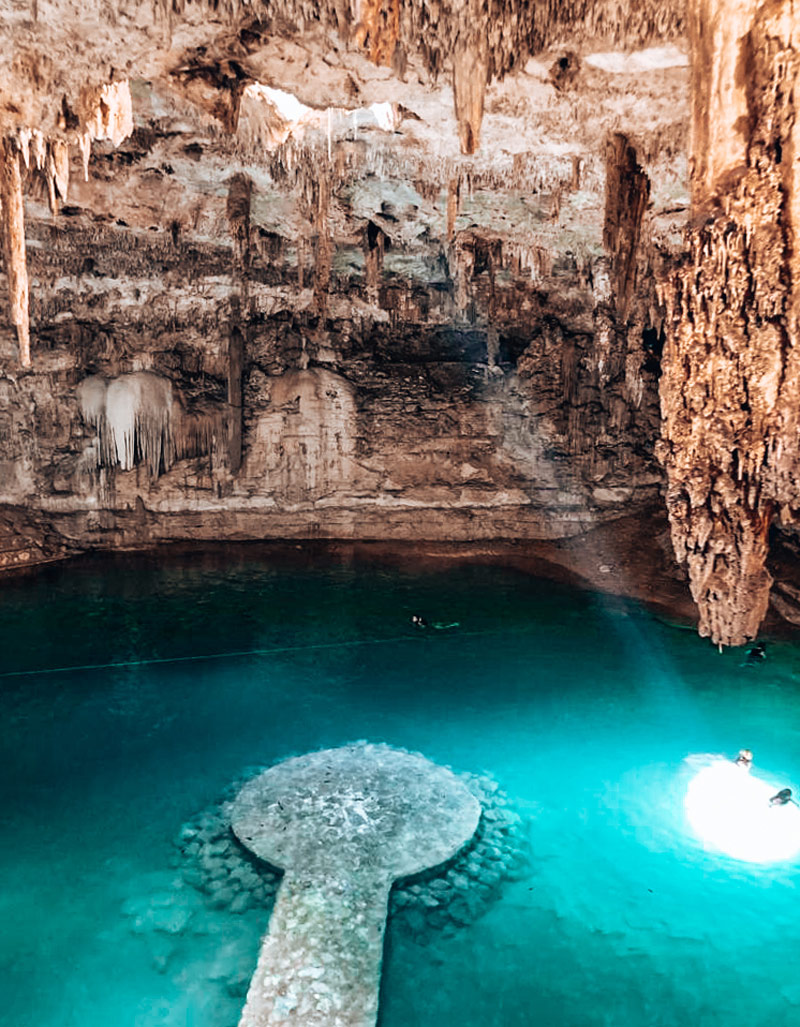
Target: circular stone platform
343, 824
359, 807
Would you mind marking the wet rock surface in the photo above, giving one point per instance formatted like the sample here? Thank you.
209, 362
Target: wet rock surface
229, 877
218, 898
344, 824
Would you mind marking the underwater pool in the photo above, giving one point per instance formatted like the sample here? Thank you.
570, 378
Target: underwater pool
581, 708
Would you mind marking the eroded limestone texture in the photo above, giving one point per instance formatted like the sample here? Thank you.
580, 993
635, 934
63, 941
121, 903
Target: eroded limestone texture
371, 333
730, 391
343, 824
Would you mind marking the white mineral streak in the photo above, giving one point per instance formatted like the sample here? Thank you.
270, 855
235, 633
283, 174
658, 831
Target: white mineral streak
386, 115
133, 417
639, 62
269, 117
85, 146
38, 148
112, 113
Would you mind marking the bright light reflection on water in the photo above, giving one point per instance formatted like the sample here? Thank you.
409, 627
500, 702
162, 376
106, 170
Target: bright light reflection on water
730, 811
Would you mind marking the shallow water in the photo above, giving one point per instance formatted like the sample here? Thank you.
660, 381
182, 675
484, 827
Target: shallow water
583, 709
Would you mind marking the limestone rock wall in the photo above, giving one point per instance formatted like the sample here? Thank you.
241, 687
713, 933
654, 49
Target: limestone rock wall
529, 415
276, 289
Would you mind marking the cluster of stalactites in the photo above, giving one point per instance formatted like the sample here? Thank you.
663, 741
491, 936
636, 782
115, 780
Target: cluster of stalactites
474, 41
481, 40
108, 114
730, 384
139, 420
512, 29
133, 418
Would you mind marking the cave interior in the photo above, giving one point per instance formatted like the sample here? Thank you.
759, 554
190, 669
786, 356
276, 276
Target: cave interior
517, 273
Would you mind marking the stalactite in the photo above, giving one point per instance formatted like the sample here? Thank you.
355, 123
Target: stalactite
470, 76
108, 111
461, 258
324, 246
730, 384
536, 259
453, 204
301, 262
13, 227
627, 195
240, 189
57, 173
374, 245
235, 408
38, 149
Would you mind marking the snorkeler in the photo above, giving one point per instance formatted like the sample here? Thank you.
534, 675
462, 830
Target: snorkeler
756, 653
744, 759
782, 797
420, 622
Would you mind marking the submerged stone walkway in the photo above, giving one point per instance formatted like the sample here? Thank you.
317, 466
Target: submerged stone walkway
344, 824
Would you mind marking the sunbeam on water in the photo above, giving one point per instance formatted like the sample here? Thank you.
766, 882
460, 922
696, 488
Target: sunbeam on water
628, 912
731, 811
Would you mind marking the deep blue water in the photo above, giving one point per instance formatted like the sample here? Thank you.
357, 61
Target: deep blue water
583, 709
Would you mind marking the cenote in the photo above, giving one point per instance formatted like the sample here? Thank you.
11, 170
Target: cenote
583, 709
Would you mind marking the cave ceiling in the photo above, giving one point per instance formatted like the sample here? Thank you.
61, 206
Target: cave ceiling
290, 94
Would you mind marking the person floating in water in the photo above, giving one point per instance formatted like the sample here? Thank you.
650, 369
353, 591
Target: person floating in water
419, 622
744, 759
756, 653
782, 797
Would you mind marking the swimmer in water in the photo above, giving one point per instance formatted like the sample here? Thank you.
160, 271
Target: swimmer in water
744, 759
756, 653
420, 622
782, 797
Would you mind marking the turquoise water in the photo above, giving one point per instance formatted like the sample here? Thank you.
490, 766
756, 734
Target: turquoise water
583, 709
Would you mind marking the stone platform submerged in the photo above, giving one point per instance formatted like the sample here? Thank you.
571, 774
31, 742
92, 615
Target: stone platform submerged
344, 824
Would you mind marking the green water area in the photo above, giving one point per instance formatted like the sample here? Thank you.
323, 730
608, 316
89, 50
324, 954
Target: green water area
139, 697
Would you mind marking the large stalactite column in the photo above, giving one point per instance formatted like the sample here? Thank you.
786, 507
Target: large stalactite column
730, 387
13, 231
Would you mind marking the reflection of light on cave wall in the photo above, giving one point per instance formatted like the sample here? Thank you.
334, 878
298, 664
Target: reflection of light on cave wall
730, 812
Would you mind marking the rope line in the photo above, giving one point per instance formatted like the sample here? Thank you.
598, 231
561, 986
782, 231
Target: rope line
234, 654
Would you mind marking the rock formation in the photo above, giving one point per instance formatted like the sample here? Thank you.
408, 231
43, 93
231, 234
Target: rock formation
731, 380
